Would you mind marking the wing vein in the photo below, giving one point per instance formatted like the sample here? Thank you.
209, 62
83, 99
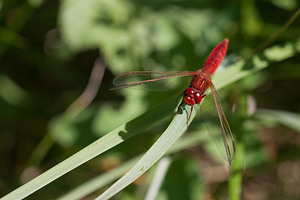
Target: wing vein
129, 79
226, 131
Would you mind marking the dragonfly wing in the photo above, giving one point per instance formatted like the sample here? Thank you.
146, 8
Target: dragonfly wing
130, 79
217, 124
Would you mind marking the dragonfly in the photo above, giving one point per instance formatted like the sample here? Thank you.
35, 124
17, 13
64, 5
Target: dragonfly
194, 93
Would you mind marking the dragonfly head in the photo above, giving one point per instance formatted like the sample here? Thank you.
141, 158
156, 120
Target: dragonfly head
192, 96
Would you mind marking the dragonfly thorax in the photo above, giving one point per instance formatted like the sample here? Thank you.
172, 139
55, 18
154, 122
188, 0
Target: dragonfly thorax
192, 96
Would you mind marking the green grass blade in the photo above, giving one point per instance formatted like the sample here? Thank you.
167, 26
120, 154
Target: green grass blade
177, 127
236, 177
288, 119
158, 178
99, 181
106, 142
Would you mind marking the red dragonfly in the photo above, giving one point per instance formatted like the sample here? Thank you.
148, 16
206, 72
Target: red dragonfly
201, 81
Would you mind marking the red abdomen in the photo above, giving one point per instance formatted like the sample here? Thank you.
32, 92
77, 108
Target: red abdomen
215, 58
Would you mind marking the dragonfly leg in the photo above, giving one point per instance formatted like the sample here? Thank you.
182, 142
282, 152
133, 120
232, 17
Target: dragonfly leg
179, 106
179, 96
187, 123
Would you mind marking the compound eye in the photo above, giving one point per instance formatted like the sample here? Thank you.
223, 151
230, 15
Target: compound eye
197, 97
189, 92
190, 101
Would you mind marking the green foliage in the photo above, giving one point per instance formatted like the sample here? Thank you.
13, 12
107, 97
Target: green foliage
128, 34
47, 50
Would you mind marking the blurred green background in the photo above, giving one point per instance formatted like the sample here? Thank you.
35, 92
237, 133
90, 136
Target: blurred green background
52, 103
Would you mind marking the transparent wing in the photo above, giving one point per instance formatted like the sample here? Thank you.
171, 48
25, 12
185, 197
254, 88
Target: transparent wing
217, 124
135, 78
